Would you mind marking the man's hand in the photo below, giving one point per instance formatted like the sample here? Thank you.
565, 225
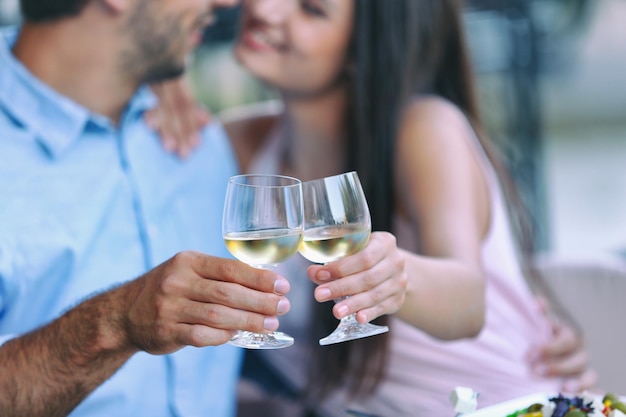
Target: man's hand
199, 300
191, 299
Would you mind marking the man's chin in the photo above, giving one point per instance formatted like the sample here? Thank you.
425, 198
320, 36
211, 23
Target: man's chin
165, 74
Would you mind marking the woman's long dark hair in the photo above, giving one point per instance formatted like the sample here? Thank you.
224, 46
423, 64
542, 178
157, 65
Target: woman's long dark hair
399, 48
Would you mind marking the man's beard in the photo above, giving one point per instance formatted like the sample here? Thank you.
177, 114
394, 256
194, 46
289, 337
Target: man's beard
154, 55
163, 71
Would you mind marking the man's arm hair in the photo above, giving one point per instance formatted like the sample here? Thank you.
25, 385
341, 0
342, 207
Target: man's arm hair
49, 371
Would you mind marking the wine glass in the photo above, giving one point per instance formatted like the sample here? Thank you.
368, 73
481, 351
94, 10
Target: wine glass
337, 224
262, 226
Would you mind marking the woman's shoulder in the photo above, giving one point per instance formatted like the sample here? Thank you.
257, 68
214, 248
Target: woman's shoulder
432, 111
430, 120
248, 126
436, 155
251, 120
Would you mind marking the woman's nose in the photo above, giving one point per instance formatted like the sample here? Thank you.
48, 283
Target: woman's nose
271, 11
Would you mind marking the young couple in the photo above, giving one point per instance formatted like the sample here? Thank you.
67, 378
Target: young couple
106, 283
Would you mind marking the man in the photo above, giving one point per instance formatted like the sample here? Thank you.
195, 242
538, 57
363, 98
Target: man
90, 201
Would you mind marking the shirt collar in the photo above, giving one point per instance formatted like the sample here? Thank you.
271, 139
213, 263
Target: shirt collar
56, 121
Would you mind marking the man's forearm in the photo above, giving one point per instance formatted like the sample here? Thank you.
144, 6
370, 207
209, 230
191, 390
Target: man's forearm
49, 371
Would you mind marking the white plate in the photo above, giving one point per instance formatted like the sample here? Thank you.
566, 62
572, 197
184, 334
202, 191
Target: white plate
508, 407
505, 408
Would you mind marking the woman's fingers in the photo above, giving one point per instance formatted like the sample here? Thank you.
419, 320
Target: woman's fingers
374, 279
178, 117
586, 381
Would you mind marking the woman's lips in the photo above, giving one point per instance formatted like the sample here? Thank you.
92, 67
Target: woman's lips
258, 41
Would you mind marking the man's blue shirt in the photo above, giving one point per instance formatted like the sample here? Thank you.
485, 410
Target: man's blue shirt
86, 205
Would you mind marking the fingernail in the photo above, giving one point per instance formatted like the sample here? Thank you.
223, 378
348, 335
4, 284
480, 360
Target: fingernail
281, 286
283, 306
342, 310
323, 275
270, 323
323, 294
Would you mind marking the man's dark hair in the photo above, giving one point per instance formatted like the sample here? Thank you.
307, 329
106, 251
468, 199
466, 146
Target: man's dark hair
49, 10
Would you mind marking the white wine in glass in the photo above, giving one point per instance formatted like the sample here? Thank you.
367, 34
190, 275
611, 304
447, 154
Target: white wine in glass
337, 224
262, 226
263, 248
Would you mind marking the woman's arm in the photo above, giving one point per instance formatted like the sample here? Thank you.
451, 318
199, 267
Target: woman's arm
443, 193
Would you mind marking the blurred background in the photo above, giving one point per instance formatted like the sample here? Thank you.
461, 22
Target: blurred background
551, 77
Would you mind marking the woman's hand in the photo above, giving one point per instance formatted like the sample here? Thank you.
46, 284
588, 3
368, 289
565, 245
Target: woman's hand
564, 356
178, 118
374, 279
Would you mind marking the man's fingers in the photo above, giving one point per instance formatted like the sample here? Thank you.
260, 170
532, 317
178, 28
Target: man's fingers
222, 317
207, 292
196, 299
201, 336
229, 270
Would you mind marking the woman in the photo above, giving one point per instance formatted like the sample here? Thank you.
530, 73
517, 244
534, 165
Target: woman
384, 88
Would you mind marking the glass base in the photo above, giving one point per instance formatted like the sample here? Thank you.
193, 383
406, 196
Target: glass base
249, 340
350, 329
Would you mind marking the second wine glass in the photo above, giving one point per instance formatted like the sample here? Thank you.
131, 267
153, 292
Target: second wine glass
262, 226
337, 224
